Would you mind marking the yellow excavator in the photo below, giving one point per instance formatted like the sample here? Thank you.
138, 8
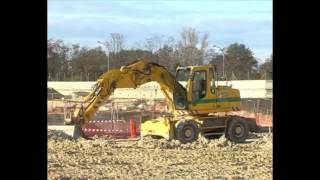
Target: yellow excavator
199, 108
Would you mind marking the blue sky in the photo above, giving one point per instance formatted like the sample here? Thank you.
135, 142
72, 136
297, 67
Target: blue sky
86, 22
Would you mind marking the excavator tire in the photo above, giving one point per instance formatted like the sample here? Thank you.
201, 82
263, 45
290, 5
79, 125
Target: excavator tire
237, 130
186, 131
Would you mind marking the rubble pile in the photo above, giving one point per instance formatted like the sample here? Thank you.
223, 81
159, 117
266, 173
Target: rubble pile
158, 158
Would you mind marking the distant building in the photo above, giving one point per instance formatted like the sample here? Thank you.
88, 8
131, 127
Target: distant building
53, 94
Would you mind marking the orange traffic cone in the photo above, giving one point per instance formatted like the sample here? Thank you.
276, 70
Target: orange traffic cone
133, 131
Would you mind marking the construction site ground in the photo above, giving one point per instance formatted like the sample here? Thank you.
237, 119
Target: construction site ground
149, 158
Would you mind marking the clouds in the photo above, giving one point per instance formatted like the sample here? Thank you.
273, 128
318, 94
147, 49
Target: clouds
249, 22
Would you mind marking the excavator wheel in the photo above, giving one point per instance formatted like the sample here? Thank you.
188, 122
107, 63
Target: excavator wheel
237, 130
186, 131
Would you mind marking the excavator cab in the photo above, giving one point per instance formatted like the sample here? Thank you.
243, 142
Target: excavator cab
202, 96
180, 99
199, 83
199, 86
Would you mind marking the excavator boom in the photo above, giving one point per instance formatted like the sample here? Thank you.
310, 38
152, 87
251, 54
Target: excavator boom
131, 75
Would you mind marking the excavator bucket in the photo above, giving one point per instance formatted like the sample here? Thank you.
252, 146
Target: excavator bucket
76, 131
157, 127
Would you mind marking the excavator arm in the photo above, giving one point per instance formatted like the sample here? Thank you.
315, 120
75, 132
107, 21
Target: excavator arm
131, 75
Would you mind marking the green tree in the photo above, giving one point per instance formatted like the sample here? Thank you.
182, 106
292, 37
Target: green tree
57, 59
266, 69
239, 61
87, 64
127, 56
165, 57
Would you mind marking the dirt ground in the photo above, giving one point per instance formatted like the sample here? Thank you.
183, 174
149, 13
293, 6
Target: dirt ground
158, 159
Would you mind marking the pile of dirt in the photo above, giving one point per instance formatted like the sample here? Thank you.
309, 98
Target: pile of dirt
158, 158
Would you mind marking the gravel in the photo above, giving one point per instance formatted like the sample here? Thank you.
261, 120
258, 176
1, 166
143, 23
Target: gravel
158, 158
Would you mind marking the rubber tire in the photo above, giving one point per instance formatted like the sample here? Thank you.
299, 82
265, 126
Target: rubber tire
231, 134
183, 125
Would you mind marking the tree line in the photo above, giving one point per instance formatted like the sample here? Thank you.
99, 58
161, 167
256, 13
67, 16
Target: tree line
76, 63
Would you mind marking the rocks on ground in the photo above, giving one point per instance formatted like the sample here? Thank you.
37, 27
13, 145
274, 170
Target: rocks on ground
158, 158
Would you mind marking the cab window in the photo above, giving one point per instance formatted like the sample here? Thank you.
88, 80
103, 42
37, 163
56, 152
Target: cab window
199, 85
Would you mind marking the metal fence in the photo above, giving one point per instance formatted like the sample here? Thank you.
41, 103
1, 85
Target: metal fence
257, 105
54, 96
259, 109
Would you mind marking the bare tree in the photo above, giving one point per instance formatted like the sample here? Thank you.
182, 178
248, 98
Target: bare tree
209, 55
188, 46
171, 42
203, 49
205, 42
150, 45
189, 37
116, 42
137, 45
154, 43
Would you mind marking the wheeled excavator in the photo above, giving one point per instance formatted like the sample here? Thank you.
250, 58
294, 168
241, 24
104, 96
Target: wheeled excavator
199, 108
